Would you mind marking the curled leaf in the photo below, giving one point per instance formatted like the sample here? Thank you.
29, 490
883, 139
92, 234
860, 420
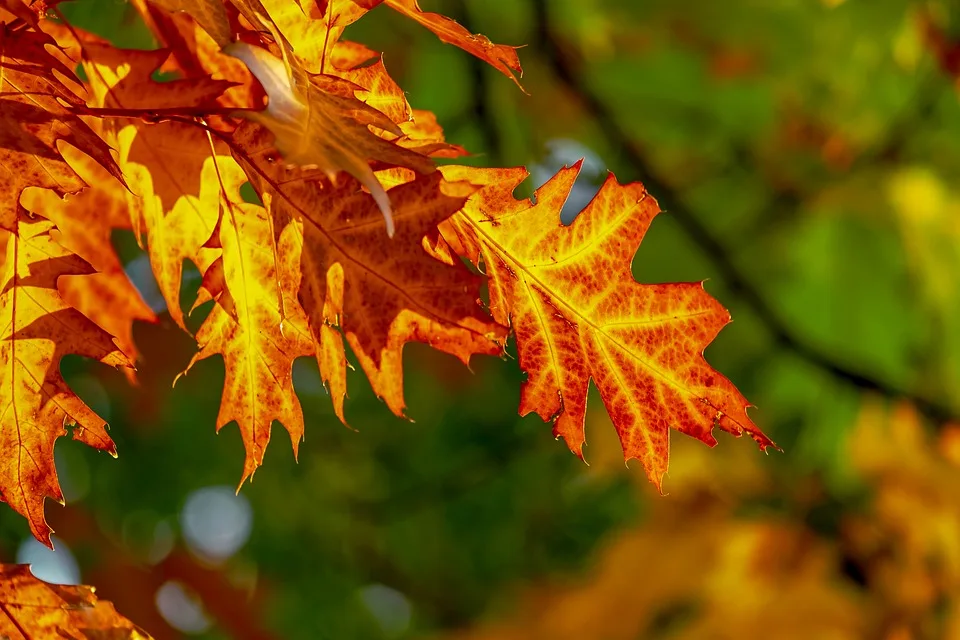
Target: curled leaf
325, 127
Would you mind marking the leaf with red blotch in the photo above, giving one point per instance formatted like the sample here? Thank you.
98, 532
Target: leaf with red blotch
37, 91
40, 329
578, 314
34, 610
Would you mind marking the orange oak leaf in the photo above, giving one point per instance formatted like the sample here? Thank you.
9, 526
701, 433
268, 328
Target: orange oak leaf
321, 120
257, 324
170, 166
313, 28
501, 57
85, 222
197, 55
313, 39
123, 79
37, 89
578, 314
424, 135
177, 200
34, 610
380, 295
40, 328
210, 15
317, 122
376, 88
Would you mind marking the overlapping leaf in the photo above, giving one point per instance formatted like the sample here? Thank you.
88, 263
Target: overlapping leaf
35, 610
39, 330
85, 223
380, 294
197, 55
170, 166
313, 39
501, 57
257, 323
34, 119
312, 271
578, 315
317, 122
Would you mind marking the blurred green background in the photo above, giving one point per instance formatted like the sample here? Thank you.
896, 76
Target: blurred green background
806, 153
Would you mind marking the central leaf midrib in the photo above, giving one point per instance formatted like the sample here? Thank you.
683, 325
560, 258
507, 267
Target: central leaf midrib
597, 328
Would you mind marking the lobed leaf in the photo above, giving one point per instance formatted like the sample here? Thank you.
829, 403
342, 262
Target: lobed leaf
40, 328
501, 57
32, 610
579, 315
257, 323
85, 223
36, 87
169, 165
380, 296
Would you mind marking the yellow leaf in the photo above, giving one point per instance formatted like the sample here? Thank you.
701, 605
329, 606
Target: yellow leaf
380, 295
317, 122
257, 324
85, 222
40, 329
35, 610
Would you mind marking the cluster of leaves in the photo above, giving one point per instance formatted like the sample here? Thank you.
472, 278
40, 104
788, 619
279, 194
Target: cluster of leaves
356, 238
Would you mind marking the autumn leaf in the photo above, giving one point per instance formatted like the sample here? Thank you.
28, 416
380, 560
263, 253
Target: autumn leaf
317, 122
313, 39
37, 91
503, 58
352, 62
169, 165
257, 323
375, 87
34, 610
194, 54
40, 330
424, 134
85, 223
579, 315
380, 296
313, 28
122, 79
211, 16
